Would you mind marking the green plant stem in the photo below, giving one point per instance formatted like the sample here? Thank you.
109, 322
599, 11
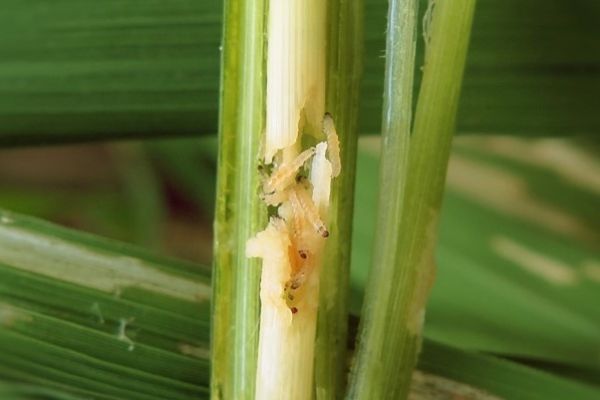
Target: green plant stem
403, 269
399, 77
239, 211
344, 68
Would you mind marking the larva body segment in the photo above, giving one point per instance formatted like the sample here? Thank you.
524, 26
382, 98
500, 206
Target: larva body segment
333, 144
294, 288
299, 229
320, 179
285, 174
303, 205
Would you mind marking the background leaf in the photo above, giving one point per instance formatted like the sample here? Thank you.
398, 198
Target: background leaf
61, 334
80, 313
84, 70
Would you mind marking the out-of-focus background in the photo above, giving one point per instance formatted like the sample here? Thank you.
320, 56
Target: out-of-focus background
157, 195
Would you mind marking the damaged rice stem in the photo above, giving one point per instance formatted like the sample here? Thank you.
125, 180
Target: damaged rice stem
311, 252
260, 124
289, 283
290, 278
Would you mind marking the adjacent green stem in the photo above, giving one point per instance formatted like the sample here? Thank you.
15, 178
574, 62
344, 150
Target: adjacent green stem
239, 211
410, 195
344, 68
399, 77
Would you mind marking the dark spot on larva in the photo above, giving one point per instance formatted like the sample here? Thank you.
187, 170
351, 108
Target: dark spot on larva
303, 254
290, 296
295, 285
325, 233
294, 310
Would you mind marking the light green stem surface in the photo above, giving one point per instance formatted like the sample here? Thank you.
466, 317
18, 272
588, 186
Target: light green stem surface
239, 211
410, 199
344, 69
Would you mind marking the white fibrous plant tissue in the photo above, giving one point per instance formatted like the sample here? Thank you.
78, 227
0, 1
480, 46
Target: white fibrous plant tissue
299, 188
301, 156
297, 185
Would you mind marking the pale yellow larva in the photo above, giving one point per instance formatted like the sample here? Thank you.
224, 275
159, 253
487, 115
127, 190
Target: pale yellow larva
285, 174
302, 205
333, 144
